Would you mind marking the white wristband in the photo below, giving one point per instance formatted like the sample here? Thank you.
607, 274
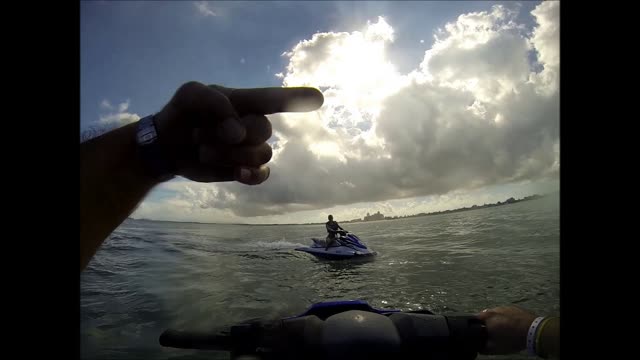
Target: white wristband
531, 336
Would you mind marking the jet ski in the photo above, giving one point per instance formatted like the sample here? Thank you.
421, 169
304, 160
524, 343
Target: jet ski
343, 330
346, 246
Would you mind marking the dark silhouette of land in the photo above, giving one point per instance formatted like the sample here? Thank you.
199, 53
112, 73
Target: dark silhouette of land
378, 216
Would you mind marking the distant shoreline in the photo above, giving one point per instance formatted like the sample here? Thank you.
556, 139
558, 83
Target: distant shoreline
509, 201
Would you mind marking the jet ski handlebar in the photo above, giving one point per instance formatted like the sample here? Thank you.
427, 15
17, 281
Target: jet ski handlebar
345, 330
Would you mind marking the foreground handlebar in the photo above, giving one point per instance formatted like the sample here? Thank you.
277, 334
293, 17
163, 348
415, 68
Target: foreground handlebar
194, 340
351, 334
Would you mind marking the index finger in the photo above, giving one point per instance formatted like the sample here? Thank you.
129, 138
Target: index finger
272, 100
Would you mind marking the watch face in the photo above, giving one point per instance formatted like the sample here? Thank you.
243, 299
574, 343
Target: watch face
146, 134
146, 137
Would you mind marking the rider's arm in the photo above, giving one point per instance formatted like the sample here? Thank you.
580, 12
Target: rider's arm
508, 328
112, 183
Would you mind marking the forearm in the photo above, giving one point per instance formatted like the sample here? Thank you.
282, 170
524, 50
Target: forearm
113, 182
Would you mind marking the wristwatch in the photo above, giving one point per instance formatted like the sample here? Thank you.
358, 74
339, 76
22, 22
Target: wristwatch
153, 156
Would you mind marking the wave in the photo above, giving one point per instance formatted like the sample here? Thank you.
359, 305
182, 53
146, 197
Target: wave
280, 244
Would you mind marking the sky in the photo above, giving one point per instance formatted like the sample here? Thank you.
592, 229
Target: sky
428, 105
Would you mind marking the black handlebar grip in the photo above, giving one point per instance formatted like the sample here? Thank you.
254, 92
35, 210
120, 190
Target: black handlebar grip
468, 335
193, 340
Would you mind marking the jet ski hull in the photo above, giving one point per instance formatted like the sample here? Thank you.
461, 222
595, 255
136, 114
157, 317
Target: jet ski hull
337, 251
331, 254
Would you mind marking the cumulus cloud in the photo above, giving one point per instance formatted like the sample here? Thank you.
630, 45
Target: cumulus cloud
546, 41
119, 117
114, 117
476, 112
204, 8
105, 104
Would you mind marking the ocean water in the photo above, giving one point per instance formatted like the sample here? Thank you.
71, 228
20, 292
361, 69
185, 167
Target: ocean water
150, 276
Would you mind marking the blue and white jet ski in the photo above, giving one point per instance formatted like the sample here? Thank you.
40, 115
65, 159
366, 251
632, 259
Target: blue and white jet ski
346, 246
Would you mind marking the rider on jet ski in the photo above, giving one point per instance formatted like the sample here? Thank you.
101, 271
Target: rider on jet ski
332, 229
